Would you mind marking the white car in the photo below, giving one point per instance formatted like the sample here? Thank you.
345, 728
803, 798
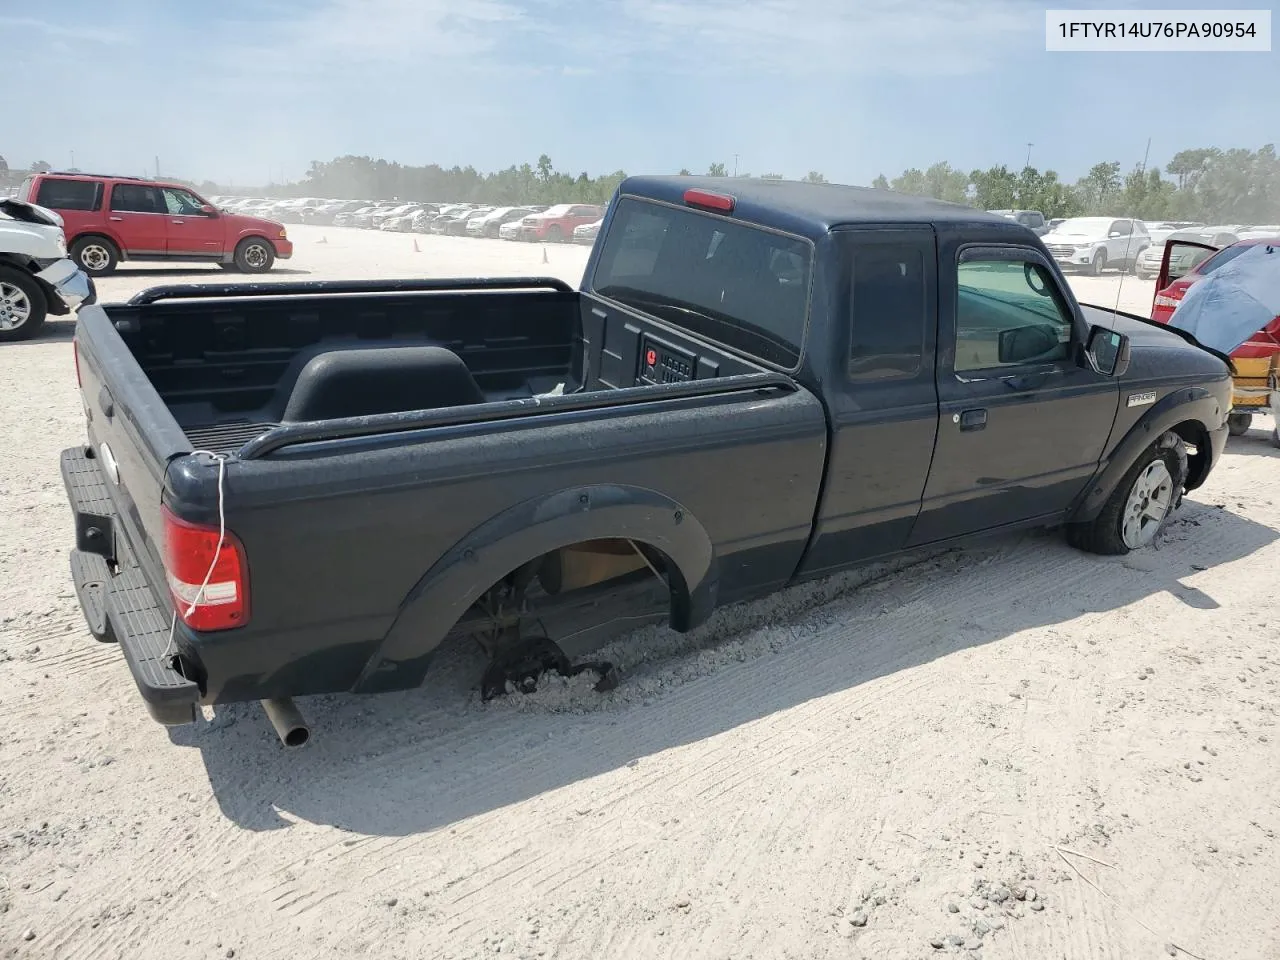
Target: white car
1220, 235
1260, 231
1095, 243
36, 276
587, 233
511, 231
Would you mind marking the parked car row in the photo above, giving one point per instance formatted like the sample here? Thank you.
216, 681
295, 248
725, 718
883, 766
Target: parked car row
552, 224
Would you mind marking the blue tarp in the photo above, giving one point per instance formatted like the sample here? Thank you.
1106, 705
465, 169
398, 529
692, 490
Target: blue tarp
1227, 307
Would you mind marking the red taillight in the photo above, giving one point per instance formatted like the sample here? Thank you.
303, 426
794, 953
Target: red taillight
190, 550
75, 352
720, 202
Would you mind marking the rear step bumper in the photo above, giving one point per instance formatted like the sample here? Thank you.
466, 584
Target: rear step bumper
121, 606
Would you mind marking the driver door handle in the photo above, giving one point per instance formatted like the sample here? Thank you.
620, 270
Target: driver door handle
179, 221
116, 219
971, 419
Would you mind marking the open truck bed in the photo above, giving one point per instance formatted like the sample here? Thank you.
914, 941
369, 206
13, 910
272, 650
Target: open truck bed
225, 374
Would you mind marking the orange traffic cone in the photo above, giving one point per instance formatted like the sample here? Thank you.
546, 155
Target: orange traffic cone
415, 247
544, 255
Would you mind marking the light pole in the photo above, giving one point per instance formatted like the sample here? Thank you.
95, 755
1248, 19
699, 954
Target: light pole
735, 164
1028, 163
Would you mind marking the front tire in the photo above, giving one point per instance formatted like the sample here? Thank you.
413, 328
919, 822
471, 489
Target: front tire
254, 255
23, 306
96, 256
554, 233
1099, 263
1238, 423
1141, 504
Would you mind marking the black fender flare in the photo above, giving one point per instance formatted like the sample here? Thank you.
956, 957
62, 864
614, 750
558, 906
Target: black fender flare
1192, 403
527, 531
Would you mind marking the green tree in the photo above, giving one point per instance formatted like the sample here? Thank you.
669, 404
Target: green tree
41, 166
1189, 165
684, 172
1099, 188
942, 182
880, 183
770, 176
910, 182
813, 176
717, 170
994, 188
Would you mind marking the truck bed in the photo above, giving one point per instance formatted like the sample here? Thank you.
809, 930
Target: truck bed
224, 365
226, 360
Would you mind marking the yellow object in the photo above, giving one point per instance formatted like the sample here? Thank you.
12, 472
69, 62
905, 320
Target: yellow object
1252, 383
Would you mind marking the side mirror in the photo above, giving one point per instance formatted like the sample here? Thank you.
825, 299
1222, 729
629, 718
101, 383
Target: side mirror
1108, 351
1024, 344
1114, 235
209, 210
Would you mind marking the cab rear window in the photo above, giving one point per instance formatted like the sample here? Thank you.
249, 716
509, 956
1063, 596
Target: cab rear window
59, 194
728, 281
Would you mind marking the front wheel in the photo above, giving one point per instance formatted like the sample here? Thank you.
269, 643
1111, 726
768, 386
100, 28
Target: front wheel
1099, 263
23, 306
1238, 423
554, 233
254, 255
1140, 505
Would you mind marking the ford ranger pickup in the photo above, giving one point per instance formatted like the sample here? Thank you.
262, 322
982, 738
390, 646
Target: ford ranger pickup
305, 488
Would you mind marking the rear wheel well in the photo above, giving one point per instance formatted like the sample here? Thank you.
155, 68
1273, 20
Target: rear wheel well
570, 576
1196, 437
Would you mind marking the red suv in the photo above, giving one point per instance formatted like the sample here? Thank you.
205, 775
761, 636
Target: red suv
558, 223
109, 219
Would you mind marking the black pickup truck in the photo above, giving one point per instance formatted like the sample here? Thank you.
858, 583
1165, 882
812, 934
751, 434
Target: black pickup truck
303, 488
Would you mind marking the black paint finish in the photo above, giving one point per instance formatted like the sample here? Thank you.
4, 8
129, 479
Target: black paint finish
368, 538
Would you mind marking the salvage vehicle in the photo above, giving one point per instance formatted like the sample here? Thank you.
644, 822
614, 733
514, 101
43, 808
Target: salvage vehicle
309, 488
1255, 353
36, 276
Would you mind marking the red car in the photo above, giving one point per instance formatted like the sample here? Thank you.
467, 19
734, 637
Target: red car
557, 223
1169, 292
109, 219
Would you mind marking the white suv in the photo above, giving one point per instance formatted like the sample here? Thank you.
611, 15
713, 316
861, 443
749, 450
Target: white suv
36, 277
1095, 243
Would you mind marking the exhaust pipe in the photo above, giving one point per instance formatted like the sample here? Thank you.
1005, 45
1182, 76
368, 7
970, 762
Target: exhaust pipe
287, 721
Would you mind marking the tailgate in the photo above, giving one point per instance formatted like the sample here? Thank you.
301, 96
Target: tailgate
131, 432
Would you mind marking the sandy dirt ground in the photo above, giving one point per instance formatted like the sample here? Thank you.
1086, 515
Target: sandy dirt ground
1015, 752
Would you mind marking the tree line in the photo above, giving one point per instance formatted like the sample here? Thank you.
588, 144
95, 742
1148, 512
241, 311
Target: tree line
1207, 184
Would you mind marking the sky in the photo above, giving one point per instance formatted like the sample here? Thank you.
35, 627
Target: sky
250, 91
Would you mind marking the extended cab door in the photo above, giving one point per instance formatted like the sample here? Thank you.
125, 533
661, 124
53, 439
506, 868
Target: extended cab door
1023, 420
191, 231
137, 214
881, 393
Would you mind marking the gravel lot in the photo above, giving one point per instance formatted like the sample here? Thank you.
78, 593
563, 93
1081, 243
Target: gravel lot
1017, 751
